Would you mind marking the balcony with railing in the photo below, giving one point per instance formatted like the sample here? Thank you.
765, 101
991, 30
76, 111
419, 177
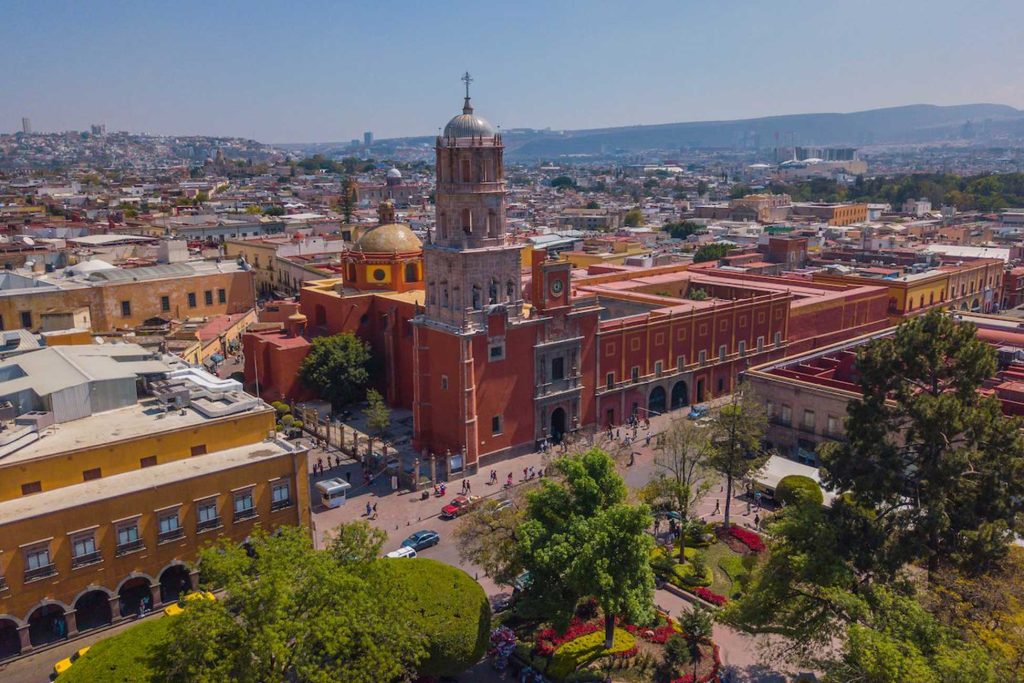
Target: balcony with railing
129, 547
247, 513
170, 535
40, 572
86, 559
280, 504
208, 524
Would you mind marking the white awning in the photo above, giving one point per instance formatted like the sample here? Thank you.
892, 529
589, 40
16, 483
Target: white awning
778, 467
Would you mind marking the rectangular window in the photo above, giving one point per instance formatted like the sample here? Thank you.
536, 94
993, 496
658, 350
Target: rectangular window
496, 350
222, 296
199, 450
657, 368
165, 304
2, 323
89, 475
743, 347
148, 461
634, 373
702, 357
208, 297
760, 344
444, 382
38, 564
206, 515
785, 414
778, 338
557, 369
31, 487
26, 319
496, 425
721, 352
126, 309
169, 527
808, 419
191, 299
280, 495
83, 550
609, 380
244, 505
833, 425
769, 409
128, 538
680, 362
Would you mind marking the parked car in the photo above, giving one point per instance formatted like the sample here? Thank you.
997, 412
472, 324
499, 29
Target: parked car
404, 551
179, 606
459, 505
422, 539
65, 664
697, 412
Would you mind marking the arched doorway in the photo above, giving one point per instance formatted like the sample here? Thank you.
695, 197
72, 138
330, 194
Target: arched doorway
131, 594
680, 395
656, 402
46, 625
92, 610
10, 642
173, 582
557, 424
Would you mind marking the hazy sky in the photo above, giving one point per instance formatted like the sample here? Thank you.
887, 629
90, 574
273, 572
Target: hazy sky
311, 71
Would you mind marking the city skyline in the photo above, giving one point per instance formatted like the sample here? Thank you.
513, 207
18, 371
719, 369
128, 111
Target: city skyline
332, 73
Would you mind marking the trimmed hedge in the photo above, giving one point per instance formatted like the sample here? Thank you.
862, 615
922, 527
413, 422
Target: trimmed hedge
795, 488
677, 574
585, 649
453, 612
124, 657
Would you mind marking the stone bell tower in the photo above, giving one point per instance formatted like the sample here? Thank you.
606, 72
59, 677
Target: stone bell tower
470, 266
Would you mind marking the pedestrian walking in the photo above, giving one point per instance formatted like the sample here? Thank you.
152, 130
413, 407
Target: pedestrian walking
337, 461
368, 509
524, 473
374, 509
718, 507
647, 439
469, 487
320, 464
616, 433
757, 521
632, 459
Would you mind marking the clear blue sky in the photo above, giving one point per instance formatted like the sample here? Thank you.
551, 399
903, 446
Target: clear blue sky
312, 71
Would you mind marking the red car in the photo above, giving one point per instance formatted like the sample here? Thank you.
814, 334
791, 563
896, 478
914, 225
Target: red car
459, 505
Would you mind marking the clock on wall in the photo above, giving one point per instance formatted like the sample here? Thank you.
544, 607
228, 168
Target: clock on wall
556, 287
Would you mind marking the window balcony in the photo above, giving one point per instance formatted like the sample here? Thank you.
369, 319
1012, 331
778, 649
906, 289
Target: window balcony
280, 504
170, 535
242, 515
86, 559
208, 524
129, 547
40, 572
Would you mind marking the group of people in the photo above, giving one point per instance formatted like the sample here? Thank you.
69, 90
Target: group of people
319, 467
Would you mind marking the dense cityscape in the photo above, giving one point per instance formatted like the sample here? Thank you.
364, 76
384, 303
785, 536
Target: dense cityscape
710, 401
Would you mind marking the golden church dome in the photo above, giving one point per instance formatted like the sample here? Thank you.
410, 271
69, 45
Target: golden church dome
389, 238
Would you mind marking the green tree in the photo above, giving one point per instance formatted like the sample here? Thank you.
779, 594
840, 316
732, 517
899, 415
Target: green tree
712, 252
347, 201
253, 209
448, 607
378, 415
291, 613
337, 368
677, 652
737, 433
739, 191
563, 182
702, 187
682, 469
582, 539
929, 453
696, 625
356, 543
698, 294
795, 489
683, 229
488, 538
634, 218
593, 205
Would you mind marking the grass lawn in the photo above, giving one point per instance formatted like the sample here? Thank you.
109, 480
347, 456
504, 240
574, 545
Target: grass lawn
122, 658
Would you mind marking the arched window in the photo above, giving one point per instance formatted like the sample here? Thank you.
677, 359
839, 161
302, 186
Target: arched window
444, 294
476, 297
442, 225
492, 292
410, 272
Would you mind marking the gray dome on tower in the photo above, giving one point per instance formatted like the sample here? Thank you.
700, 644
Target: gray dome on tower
467, 124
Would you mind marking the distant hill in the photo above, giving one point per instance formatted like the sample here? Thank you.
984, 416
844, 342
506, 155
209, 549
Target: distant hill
914, 123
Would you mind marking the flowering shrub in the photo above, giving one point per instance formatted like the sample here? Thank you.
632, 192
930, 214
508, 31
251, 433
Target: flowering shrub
657, 635
503, 644
583, 650
747, 538
548, 640
709, 595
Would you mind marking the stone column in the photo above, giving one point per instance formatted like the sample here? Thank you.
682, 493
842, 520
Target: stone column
193, 578
154, 592
115, 609
26, 642
71, 621
433, 470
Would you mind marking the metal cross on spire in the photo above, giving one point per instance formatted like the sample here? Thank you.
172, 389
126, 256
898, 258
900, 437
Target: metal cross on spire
467, 79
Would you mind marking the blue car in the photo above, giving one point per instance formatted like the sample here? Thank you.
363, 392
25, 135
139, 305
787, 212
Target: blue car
697, 412
421, 540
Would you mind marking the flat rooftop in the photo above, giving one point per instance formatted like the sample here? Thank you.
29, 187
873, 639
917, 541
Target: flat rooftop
68, 497
145, 418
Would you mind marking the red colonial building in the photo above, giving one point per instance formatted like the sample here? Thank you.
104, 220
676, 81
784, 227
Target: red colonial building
493, 358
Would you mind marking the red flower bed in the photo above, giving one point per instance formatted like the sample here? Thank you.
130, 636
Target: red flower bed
657, 635
548, 640
709, 595
747, 538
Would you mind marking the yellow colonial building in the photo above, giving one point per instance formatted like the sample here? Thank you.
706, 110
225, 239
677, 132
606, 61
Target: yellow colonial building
116, 467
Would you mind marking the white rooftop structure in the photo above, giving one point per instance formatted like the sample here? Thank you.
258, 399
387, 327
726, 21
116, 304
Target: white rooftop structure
778, 467
973, 252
